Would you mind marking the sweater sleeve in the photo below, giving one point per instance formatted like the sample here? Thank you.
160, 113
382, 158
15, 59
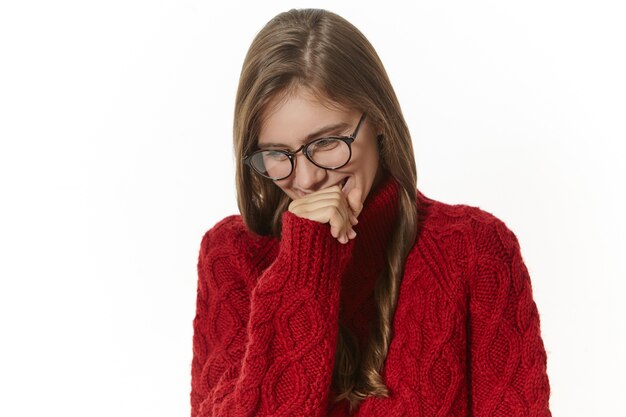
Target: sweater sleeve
507, 355
268, 350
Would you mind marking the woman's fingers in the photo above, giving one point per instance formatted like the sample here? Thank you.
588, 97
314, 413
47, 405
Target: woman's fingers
330, 206
322, 202
340, 228
354, 201
308, 199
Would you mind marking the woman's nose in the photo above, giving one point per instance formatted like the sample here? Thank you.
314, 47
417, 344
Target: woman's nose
307, 174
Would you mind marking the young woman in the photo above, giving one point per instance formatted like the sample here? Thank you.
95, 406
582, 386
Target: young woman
341, 289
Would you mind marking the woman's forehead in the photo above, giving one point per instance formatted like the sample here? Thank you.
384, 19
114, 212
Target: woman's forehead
301, 116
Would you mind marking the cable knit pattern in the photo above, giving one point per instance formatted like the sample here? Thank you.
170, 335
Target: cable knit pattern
466, 335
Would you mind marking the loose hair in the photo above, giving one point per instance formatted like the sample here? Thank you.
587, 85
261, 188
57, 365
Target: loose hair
325, 54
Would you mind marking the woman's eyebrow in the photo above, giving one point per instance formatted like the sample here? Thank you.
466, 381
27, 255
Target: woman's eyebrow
318, 133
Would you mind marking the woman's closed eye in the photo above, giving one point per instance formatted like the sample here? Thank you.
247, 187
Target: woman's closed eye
326, 143
276, 155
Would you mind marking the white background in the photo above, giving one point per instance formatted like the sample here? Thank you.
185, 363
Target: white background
116, 157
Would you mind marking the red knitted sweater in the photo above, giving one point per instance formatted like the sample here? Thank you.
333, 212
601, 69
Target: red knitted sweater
466, 336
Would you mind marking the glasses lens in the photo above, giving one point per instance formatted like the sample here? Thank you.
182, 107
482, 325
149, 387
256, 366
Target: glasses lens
272, 164
329, 152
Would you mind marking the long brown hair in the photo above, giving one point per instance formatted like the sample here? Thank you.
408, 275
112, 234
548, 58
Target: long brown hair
324, 53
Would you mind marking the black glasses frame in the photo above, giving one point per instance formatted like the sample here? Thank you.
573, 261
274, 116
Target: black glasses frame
305, 149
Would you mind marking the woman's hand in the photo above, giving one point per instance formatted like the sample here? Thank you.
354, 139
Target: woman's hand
330, 205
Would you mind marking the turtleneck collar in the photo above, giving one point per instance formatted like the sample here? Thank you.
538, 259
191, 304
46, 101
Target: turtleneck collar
377, 219
376, 224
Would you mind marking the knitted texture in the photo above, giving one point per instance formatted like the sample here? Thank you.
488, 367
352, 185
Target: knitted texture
466, 334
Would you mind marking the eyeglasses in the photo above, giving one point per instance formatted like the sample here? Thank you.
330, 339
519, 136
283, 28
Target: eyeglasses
332, 152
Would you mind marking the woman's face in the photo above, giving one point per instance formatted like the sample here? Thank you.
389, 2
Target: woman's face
301, 118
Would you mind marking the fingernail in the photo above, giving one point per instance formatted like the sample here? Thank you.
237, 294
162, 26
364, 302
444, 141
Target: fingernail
352, 234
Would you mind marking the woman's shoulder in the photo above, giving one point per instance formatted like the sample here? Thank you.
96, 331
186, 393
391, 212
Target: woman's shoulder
473, 226
231, 234
228, 226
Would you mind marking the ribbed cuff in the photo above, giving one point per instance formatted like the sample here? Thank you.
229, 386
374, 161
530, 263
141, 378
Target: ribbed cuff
312, 254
